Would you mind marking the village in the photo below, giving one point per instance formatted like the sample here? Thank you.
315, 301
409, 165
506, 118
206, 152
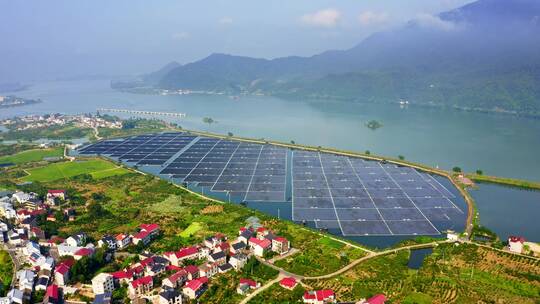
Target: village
48, 267
52, 120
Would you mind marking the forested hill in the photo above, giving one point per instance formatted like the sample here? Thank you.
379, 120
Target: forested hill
484, 55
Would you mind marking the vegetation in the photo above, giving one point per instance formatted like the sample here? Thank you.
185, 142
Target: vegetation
66, 132
135, 126
32, 155
97, 168
6, 272
373, 124
278, 294
451, 274
505, 181
456, 169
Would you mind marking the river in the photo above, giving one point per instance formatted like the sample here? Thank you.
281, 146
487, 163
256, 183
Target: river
498, 144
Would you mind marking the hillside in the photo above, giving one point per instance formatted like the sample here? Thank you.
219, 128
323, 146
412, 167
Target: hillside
483, 56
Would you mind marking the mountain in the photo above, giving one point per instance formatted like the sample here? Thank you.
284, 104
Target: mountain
484, 56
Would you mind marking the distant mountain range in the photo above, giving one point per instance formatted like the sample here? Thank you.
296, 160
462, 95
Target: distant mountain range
482, 56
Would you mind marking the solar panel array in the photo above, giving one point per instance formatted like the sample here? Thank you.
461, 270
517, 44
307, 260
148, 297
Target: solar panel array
366, 197
359, 197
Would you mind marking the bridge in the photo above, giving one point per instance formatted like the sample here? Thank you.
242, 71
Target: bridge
142, 112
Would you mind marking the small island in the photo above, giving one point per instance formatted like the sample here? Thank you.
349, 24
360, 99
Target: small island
373, 124
14, 101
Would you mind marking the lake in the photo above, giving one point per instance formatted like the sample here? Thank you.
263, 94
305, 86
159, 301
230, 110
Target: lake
416, 259
509, 211
497, 144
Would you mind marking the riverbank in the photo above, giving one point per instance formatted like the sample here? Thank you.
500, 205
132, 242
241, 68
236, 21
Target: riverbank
504, 181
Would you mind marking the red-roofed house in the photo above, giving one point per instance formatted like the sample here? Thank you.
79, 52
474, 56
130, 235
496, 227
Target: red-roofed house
259, 246
176, 280
193, 271
52, 295
61, 274
280, 245
79, 254
245, 285
123, 276
376, 299
262, 232
195, 288
515, 243
57, 194
319, 296
141, 286
188, 253
37, 232
146, 233
288, 283
122, 240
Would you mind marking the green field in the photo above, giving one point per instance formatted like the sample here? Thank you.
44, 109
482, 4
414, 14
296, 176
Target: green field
6, 272
191, 229
97, 168
32, 155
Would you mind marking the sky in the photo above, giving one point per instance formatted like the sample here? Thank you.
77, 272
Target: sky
64, 38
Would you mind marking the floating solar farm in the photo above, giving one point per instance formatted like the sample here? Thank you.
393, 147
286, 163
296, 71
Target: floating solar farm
354, 196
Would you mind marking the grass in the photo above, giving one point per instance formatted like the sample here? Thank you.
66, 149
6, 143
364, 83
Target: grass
98, 168
451, 274
6, 272
505, 181
32, 155
191, 229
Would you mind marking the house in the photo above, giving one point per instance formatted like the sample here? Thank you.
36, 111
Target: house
319, 296
123, 276
219, 258
7, 211
175, 280
141, 286
245, 285
103, 283
280, 245
42, 283
238, 247
146, 233
83, 252
26, 280
245, 235
192, 271
16, 296
376, 299
224, 247
208, 269
515, 244
262, 232
188, 253
104, 298
211, 242
75, 240
52, 295
61, 273
195, 288
238, 261
170, 296
109, 241
122, 241
52, 194
70, 214
225, 267
259, 246
21, 197
30, 248
288, 283
37, 233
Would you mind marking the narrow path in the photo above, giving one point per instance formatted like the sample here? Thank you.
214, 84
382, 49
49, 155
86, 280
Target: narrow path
262, 288
96, 133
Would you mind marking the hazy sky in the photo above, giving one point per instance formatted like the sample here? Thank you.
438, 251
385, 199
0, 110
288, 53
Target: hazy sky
44, 39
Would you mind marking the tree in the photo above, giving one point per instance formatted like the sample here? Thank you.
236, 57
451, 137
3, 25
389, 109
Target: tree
479, 172
367, 152
208, 120
456, 169
292, 142
401, 157
230, 134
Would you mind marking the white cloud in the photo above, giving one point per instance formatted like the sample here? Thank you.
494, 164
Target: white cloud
180, 36
370, 18
323, 18
225, 20
434, 22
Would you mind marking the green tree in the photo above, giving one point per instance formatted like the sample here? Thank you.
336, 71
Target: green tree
401, 157
456, 169
208, 120
479, 172
367, 152
230, 134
